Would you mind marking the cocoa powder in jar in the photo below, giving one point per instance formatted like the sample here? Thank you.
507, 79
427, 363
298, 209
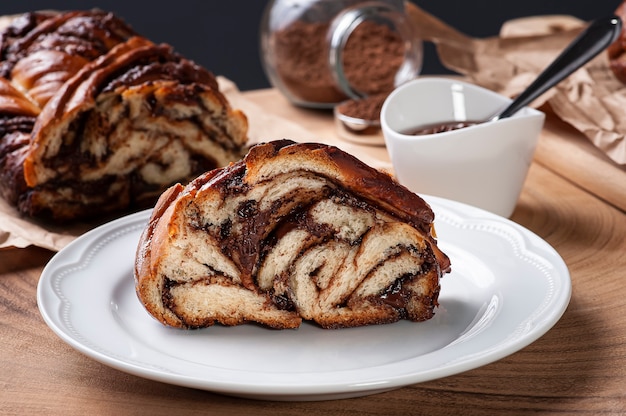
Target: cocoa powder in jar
372, 56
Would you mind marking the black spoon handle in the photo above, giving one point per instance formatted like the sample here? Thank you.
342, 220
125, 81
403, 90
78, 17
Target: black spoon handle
593, 40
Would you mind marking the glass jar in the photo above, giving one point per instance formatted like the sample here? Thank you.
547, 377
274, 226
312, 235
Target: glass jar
319, 53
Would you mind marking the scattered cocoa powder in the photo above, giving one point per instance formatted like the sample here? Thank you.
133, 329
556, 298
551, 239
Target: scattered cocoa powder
372, 56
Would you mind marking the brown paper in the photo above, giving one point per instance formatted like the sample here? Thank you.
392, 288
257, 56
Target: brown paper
592, 100
16, 231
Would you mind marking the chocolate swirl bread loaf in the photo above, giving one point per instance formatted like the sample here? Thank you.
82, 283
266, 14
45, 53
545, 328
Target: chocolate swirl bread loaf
290, 232
95, 119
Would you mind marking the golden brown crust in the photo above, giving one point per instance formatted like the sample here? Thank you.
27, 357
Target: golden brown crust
14, 103
245, 231
152, 237
44, 49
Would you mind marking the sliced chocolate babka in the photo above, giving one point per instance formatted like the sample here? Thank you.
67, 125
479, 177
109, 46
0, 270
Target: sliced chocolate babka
290, 232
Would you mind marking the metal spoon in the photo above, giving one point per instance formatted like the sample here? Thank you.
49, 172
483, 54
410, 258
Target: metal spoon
593, 40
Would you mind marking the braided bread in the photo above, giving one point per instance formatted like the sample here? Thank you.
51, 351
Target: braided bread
96, 119
290, 232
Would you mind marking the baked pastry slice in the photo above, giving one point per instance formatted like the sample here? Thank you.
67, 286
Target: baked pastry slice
290, 232
115, 119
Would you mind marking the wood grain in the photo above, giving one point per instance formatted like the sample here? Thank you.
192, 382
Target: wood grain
578, 367
568, 153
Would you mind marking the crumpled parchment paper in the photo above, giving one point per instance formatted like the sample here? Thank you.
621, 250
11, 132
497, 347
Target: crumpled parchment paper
592, 100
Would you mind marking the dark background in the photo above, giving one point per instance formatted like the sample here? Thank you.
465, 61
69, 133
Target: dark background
223, 35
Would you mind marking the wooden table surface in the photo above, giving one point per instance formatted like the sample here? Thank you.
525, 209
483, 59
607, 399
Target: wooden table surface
578, 367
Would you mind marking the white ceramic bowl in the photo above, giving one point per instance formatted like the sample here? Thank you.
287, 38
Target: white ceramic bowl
484, 165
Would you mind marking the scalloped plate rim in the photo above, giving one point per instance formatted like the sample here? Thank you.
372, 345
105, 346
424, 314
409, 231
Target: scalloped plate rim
55, 302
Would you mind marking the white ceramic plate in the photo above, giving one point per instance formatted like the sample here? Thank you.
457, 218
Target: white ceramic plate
507, 288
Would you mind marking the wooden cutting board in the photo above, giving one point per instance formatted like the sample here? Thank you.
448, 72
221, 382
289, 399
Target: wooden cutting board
567, 152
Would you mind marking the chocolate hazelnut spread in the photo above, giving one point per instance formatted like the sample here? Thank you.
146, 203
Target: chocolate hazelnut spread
439, 128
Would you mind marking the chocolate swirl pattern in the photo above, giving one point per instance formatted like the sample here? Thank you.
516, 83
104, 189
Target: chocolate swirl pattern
290, 232
96, 119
